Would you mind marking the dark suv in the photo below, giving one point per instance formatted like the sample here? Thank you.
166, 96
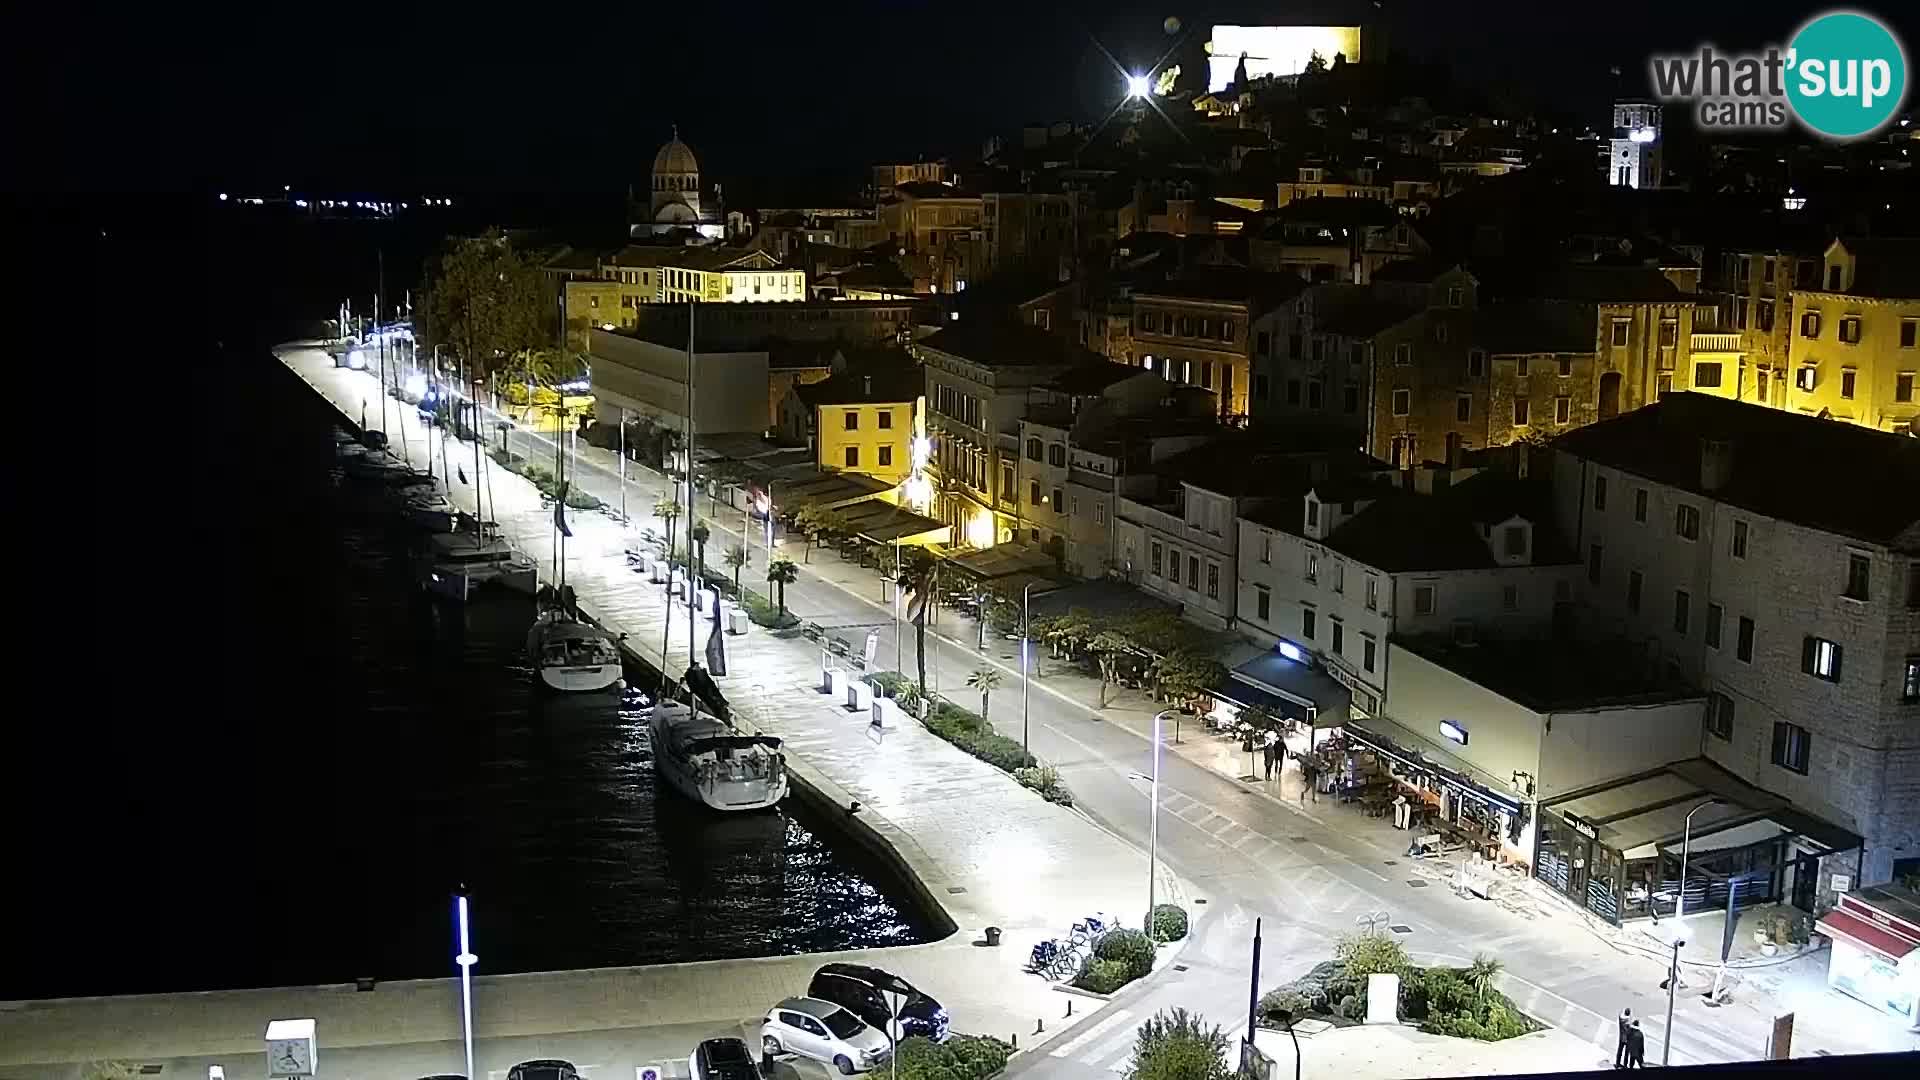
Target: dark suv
861, 990
543, 1069
724, 1059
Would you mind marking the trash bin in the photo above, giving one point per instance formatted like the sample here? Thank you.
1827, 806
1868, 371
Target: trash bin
993, 935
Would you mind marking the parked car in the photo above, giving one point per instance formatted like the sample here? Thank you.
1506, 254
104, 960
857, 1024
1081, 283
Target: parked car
544, 1069
823, 1031
862, 990
724, 1059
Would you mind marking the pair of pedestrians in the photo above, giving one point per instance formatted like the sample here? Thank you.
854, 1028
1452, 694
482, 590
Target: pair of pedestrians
1631, 1053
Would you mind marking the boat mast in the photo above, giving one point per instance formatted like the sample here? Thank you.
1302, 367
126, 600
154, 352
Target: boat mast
693, 586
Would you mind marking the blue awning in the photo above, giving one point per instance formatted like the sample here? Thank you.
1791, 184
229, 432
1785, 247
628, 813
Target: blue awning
1287, 688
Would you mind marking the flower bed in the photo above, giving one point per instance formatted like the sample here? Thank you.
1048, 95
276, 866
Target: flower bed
1443, 1001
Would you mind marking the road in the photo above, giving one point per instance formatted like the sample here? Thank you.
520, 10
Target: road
1246, 854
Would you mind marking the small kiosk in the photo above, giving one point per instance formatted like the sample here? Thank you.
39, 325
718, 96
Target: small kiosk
1876, 949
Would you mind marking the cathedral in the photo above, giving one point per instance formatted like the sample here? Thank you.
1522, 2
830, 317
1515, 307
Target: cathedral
676, 201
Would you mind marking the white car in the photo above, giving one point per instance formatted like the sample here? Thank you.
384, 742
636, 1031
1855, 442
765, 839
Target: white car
823, 1031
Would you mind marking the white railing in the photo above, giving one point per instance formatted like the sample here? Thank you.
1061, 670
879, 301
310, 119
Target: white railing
1716, 342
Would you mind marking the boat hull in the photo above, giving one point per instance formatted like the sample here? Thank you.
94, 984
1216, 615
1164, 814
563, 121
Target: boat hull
701, 780
460, 586
583, 679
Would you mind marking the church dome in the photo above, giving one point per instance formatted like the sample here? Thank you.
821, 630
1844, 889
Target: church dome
675, 157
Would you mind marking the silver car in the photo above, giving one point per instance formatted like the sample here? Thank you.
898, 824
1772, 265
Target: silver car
823, 1031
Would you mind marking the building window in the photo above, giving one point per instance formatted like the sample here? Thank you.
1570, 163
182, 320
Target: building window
886, 419
1807, 377
1402, 402
1847, 377
1033, 449
1263, 342
1373, 593
1521, 366
1153, 558
1008, 492
1057, 455
1351, 398
1903, 387
1033, 492
1403, 354
1706, 373
1719, 715
1566, 367
1510, 597
1213, 581
1858, 569
1059, 501
1810, 324
1909, 332
1634, 581
1714, 613
1850, 330
1622, 332
1367, 647
1562, 409
1514, 541
1593, 564
1463, 408
1599, 493
853, 420
1315, 393
886, 456
1739, 539
1193, 572
1790, 746
1519, 411
1306, 623
1682, 611
1476, 362
1669, 333
1455, 296
1312, 573
1099, 513
1640, 504
1662, 386
1743, 643
1262, 603
1910, 682
1339, 576
1260, 387
853, 457
1339, 637
1293, 391
1423, 599
1266, 549
1686, 522
1820, 658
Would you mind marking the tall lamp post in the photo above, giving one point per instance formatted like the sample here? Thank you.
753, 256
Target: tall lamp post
1153, 821
1686, 846
1026, 646
1673, 984
466, 960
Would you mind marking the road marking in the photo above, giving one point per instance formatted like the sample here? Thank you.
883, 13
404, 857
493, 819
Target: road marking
1091, 1033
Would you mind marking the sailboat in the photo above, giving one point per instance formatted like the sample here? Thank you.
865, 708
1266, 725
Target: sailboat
569, 653
454, 565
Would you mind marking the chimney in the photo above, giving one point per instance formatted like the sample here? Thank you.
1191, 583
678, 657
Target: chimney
866, 385
1716, 464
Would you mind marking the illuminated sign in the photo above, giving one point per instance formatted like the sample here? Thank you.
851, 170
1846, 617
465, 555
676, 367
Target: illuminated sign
1275, 50
1292, 652
1453, 732
1582, 827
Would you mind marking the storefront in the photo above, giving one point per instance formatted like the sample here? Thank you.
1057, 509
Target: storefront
1876, 949
1285, 687
1615, 848
1447, 795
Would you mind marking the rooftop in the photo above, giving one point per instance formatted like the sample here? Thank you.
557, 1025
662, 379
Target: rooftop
1782, 464
900, 384
1092, 378
1413, 270
1549, 326
1549, 675
1260, 291
1402, 531
1247, 465
1884, 266
1325, 210
1364, 317
1001, 343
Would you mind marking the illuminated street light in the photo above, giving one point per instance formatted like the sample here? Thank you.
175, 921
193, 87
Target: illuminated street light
1138, 86
466, 960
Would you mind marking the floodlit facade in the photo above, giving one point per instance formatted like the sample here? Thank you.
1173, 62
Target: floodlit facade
1856, 336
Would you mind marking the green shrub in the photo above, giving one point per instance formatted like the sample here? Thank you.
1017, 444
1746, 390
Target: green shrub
1130, 947
962, 1057
1178, 1045
1169, 922
1370, 954
1346, 1006
1045, 779
1103, 976
970, 733
581, 500
1285, 999
888, 682
765, 614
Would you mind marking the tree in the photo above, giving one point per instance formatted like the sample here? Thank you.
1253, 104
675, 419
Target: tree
737, 557
782, 573
486, 301
920, 577
1186, 677
1482, 973
698, 535
985, 680
1178, 1045
668, 511
1108, 646
807, 520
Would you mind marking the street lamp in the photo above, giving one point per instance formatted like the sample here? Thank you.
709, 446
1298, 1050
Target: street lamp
1686, 844
466, 960
1026, 678
1153, 821
1286, 1017
1138, 86
1673, 984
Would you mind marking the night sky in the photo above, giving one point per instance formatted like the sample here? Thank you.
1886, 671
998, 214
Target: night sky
562, 97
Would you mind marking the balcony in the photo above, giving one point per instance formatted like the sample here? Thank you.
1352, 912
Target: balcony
1717, 342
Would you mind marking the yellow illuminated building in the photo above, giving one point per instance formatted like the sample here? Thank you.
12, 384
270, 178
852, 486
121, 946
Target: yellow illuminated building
1856, 337
728, 276
864, 421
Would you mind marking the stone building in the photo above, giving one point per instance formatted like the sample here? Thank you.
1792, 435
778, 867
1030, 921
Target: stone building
1200, 330
1856, 336
676, 199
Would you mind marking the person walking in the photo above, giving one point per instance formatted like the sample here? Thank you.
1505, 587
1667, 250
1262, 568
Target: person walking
1270, 751
1308, 777
1620, 1048
1636, 1047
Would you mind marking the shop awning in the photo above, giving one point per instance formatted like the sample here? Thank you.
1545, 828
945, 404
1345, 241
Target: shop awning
1249, 696
1003, 560
884, 523
1645, 813
1861, 932
1392, 741
1301, 684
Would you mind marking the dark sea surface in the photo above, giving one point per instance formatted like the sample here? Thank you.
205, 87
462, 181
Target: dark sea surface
288, 761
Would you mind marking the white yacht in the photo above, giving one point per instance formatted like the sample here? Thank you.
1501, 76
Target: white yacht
711, 763
453, 565
573, 655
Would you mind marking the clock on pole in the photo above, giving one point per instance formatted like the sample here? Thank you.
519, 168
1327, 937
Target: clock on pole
290, 1048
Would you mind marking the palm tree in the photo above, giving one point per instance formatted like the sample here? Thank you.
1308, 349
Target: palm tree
782, 573
668, 511
1482, 972
1108, 646
737, 557
985, 680
920, 577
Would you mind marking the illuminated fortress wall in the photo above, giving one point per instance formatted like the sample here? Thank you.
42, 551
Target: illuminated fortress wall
1275, 50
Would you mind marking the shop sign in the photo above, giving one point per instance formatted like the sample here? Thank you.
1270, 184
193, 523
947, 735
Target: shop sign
1842, 882
1582, 827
